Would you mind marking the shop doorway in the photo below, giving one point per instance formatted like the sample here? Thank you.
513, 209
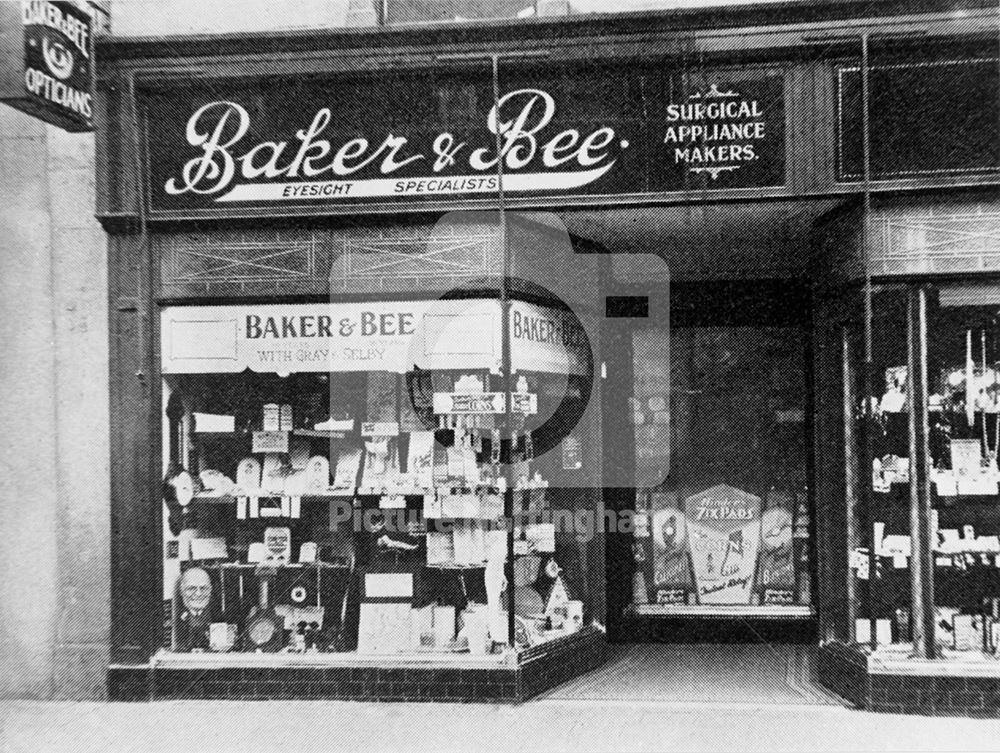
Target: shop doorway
717, 404
750, 674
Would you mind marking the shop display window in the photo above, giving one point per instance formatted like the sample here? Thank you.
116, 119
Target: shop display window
331, 509
884, 514
723, 524
963, 384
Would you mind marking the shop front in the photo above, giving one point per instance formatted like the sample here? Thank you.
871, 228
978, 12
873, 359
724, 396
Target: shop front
922, 530
436, 372
341, 509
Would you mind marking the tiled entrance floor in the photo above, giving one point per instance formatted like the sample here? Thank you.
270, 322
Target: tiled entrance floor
747, 674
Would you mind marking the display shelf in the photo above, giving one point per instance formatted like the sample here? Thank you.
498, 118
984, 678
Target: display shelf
209, 498
711, 611
377, 491
415, 658
221, 499
361, 491
978, 501
320, 433
265, 565
898, 659
305, 433
463, 518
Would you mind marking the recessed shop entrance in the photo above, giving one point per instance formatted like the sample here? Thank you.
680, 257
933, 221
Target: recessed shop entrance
717, 407
758, 675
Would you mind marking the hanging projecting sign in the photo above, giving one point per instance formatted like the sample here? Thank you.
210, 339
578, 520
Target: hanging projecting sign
47, 50
378, 336
324, 143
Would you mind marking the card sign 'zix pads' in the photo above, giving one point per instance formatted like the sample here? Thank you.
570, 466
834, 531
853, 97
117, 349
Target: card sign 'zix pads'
47, 61
724, 530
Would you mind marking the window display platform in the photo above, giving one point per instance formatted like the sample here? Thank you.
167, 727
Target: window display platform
711, 611
500, 678
959, 684
168, 660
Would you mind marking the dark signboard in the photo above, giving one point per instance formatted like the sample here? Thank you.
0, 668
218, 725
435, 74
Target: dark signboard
324, 142
47, 52
939, 118
725, 135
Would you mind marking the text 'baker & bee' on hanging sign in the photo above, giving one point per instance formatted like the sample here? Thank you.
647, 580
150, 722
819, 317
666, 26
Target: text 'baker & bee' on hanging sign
47, 61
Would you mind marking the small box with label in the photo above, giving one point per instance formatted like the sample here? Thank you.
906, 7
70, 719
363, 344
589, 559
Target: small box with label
272, 417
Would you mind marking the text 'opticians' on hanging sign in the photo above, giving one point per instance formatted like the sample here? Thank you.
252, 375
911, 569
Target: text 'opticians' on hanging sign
47, 58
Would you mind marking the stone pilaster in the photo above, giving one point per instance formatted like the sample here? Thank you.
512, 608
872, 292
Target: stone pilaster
553, 8
361, 13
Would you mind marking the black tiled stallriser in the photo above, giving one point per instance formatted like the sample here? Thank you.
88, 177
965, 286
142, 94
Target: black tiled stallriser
844, 671
376, 684
936, 696
128, 684
542, 668
570, 659
143, 684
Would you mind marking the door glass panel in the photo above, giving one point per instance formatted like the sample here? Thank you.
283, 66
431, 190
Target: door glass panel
730, 525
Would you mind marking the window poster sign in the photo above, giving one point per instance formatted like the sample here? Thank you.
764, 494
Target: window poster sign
719, 546
378, 336
47, 67
724, 537
329, 143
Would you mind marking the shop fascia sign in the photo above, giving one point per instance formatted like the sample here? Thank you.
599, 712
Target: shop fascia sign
47, 51
230, 169
715, 131
378, 336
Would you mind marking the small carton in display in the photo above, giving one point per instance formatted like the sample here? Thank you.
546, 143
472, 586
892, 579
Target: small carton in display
444, 625
432, 505
348, 464
422, 629
968, 632
278, 541
542, 537
470, 544
385, 628
420, 459
440, 548
271, 418
475, 628
883, 631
